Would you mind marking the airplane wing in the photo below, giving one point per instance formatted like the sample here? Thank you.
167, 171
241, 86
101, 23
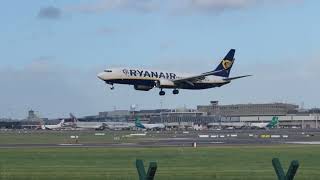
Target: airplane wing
192, 79
237, 77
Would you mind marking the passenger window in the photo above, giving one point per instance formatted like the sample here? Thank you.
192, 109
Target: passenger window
107, 71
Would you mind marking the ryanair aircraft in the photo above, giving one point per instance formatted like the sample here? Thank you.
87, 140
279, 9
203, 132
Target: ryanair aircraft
144, 80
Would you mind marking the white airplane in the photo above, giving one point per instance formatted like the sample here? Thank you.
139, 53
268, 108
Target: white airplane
53, 127
144, 80
272, 124
87, 125
119, 125
148, 126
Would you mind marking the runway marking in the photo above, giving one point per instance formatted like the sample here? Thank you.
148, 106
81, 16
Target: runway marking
70, 144
168, 139
216, 142
126, 144
305, 142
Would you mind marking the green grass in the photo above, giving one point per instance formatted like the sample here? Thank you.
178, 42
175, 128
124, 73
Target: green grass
221, 162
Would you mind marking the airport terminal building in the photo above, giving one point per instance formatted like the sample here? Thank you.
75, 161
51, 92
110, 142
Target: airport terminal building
290, 116
213, 114
237, 110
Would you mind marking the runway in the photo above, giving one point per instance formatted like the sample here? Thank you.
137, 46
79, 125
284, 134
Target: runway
166, 143
118, 139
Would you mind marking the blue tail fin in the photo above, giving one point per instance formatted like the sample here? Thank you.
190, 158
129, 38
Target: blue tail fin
225, 66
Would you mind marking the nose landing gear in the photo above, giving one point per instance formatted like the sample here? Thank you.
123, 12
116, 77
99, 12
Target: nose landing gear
112, 87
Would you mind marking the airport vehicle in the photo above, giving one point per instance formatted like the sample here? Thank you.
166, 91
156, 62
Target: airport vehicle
145, 80
53, 127
87, 125
272, 124
138, 124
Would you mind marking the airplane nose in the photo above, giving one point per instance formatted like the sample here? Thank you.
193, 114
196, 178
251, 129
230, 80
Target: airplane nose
100, 76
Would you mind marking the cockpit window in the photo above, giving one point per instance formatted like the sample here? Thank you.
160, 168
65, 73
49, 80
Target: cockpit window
107, 70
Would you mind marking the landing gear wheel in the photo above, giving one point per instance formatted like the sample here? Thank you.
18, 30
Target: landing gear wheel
111, 84
176, 91
162, 93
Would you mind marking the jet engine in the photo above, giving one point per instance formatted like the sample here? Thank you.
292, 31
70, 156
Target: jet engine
142, 87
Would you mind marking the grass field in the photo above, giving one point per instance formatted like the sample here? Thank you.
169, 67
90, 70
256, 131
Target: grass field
222, 162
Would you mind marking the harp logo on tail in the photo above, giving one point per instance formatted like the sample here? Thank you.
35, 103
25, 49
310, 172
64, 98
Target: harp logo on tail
226, 64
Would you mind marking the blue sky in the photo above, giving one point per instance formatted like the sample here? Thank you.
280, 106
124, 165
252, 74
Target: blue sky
52, 51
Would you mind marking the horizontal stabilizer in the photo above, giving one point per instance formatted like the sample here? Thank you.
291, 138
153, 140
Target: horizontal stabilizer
237, 77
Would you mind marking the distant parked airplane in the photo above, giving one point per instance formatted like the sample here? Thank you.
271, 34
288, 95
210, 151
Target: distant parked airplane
119, 125
144, 80
87, 125
272, 124
148, 126
53, 127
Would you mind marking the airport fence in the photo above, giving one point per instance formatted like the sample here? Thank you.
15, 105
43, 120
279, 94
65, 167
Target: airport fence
150, 174
143, 175
293, 168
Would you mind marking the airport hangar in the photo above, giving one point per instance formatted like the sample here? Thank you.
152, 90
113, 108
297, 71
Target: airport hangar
205, 116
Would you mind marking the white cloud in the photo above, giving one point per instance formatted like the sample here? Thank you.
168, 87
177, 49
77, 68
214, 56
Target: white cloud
107, 5
172, 6
49, 12
218, 5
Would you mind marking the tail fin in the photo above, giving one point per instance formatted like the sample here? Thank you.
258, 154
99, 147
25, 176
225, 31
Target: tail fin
225, 66
138, 123
61, 122
74, 119
274, 122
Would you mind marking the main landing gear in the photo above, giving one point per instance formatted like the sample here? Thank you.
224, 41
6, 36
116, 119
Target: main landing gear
162, 93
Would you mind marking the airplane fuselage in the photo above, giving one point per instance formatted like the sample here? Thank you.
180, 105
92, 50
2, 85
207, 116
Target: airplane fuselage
154, 126
90, 125
150, 126
259, 125
147, 79
53, 127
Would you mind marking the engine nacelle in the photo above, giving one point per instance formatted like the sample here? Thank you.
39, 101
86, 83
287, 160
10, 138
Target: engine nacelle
164, 83
142, 87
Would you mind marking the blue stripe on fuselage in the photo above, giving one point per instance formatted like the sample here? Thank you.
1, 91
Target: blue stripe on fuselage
147, 82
